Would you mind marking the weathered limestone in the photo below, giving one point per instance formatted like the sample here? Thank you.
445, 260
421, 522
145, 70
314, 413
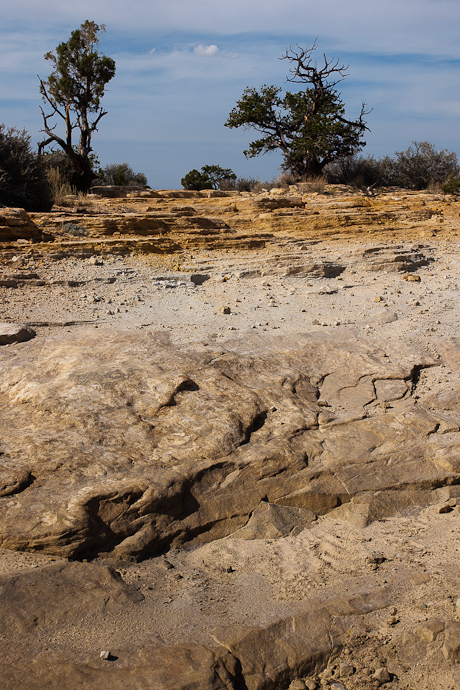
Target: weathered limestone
119, 443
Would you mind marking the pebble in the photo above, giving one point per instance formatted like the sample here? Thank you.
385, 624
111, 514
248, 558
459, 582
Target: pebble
346, 670
297, 684
311, 684
105, 654
382, 675
225, 310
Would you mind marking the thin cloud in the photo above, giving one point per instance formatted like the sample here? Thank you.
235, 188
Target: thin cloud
206, 51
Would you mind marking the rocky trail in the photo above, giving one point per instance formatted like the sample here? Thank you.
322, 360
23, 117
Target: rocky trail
230, 447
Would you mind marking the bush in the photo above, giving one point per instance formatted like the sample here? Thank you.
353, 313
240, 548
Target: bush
23, 175
122, 175
451, 184
360, 171
422, 166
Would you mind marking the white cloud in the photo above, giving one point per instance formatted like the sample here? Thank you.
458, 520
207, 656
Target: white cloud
206, 51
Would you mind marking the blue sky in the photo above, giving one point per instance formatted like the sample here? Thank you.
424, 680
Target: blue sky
182, 65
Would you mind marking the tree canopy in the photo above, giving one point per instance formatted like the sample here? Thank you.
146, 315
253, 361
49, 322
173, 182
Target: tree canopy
210, 177
308, 126
74, 91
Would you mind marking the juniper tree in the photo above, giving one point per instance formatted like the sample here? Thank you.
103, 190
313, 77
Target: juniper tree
74, 91
308, 126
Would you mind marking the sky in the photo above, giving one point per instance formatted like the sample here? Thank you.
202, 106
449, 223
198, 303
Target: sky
182, 65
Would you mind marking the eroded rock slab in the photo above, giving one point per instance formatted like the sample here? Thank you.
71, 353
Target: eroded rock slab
121, 443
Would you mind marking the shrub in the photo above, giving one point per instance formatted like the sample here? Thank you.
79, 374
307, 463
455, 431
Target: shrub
451, 184
360, 171
422, 166
23, 176
122, 175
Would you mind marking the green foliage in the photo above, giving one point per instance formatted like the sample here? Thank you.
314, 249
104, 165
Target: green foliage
309, 126
23, 176
210, 177
74, 91
421, 166
360, 171
451, 184
122, 175
196, 180
217, 175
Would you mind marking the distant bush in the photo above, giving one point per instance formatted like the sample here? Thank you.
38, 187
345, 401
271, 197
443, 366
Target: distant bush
209, 177
122, 175
451, 184
23, 175
421, 166
360, 171
243, 184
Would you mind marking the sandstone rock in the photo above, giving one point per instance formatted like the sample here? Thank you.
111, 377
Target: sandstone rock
451, 646
135, 444
297, 684
346, 670
16, 224
270, 521
382, 675
15, 333
60, 594
430, 629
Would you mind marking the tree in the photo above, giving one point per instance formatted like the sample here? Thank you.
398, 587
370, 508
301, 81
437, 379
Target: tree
308, 126
210, 177
74, 91
23, 175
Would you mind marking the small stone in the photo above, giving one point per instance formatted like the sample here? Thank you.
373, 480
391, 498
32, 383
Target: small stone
96, 261
337, 686
297, 684
376, 558
445, 509
225, 310
429, 630
346, 670
382, 675
393, 611
105, 654
315, 322
451, 646
326, 674
412, 277
378, 299
311, 684
393, 620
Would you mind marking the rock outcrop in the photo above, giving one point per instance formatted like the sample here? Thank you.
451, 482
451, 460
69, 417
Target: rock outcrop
16, 224
123, 444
